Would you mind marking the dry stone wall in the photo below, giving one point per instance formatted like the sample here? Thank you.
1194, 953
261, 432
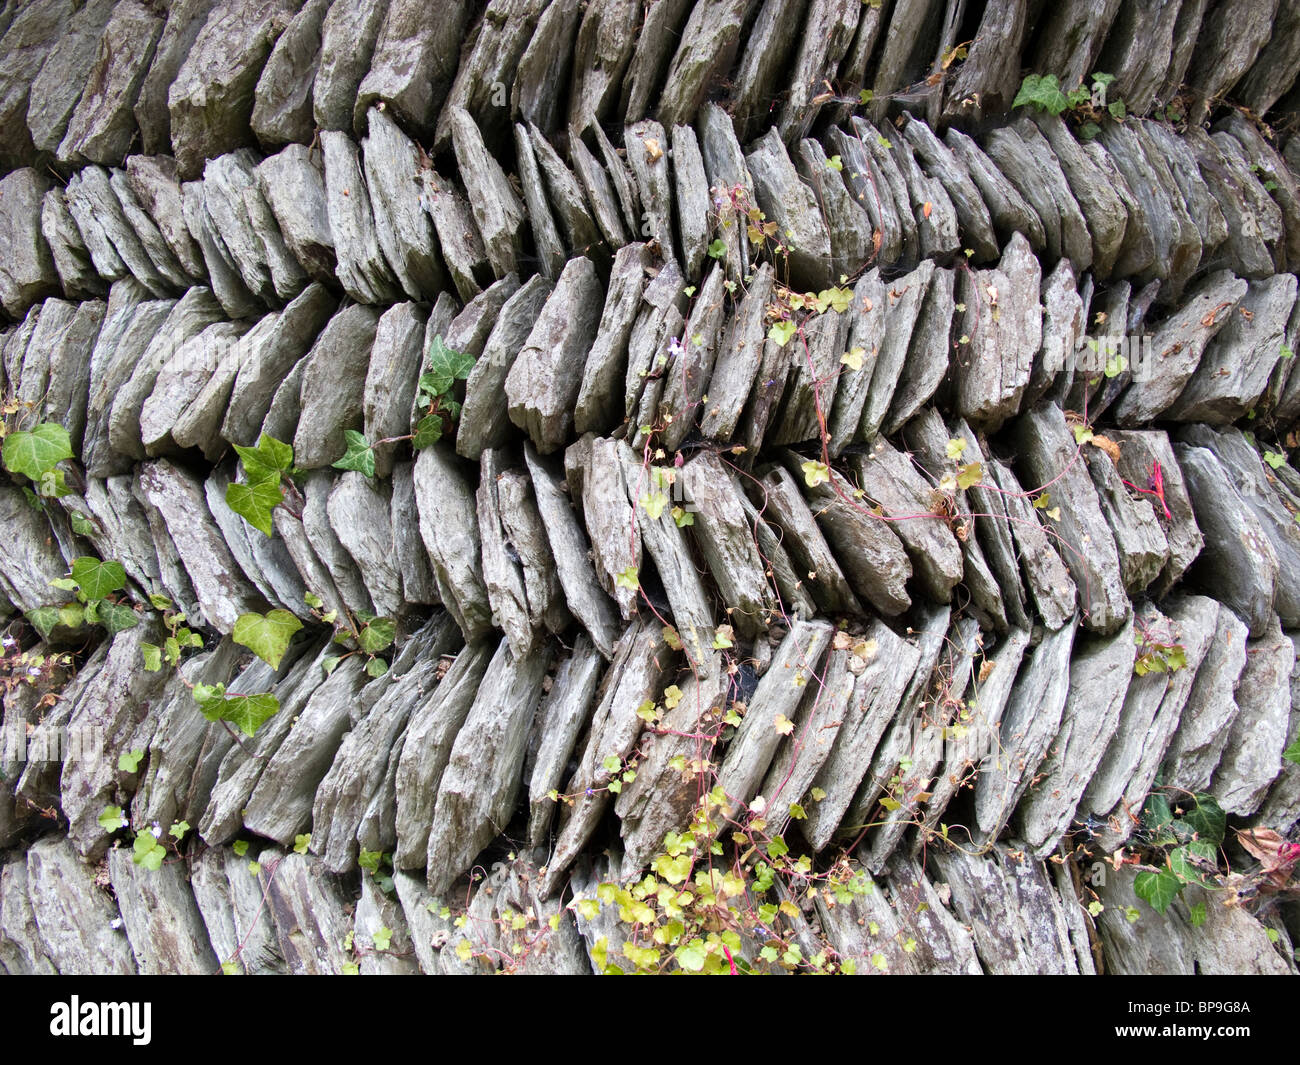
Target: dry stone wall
889, 552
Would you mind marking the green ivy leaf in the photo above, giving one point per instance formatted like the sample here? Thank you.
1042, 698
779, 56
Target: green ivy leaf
98, 579
246, 712
445, 368
360, 456
147, 851
781, 332
969, 475
382, 938
1043, 92
44, 619
130, 761
230, 968
80, 524
717, 248
267, 461
428, 431
691, 956
254, 502
815, 473
37, 452
1157, 890
301, 842
178, 830
111, 819
1274, 459
1117, 110
376, 667
117, 617
377, 635
1292, 753
1207, 819
240, 847
152, 656
369, 860
266, 636
331, 663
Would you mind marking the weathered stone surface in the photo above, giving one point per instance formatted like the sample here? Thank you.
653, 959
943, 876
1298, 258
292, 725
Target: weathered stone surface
395, 360
76, 920
1253, 221
1028, 162
876, 694
542, 77
936, 218
1015, 914
1271, 502
891, 482
1234, 369
1103, 208
282, 102
288, 341
21, 951
348, 35
450, 531
1226, 46
857, 536
281, 802
1139, 539
432, 729
638, 672
414, 63
238, 924
1151, 713
362, 269
546, 235
404, 231
606, 39
1010, 212
153, 183
942, 164
211, 99
708, 46
185, 20
1175, 944
27, 274
1100, 672
598, 407
27, 571
562, 714
1029, 723
23, 49
223, 593
1047, 450
57, 88
102, 128
362, 762
310, 911
543, 382
500, 216
477, 790
570, 549
1238, 561
72, 260
903, 306
790, 203
333, 386
161, 918
235, 299
213, 354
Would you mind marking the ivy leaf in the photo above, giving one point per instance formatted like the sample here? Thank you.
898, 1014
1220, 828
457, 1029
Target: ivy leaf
445, 368
331, 663
111, 819
815, 473
682, 517
80, 525
628, 579
1207, 820
781, 332
240, 847
152, 656
1292, 753
1157, 890
178, 830
691, 957
956, 446
301, 842
43, 619
117, 617
147, 851
717, 248
1117, 110
130, 761
35, 453
359, 456
653, 504
254, 502
1043, 92
428, 431
376, 667
383, 937
835, 162
1082, 434
246, 712
723, 637
969, 475
377, 635
266, 636
1274, 459
1197, 914
267, 461
1116, 365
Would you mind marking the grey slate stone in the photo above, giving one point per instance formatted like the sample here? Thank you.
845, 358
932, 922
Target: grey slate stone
28, 274
333, 384
282, 101
414, 63
161, 918
185, 20
348, 35
362, 269
63, 75
74, 918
